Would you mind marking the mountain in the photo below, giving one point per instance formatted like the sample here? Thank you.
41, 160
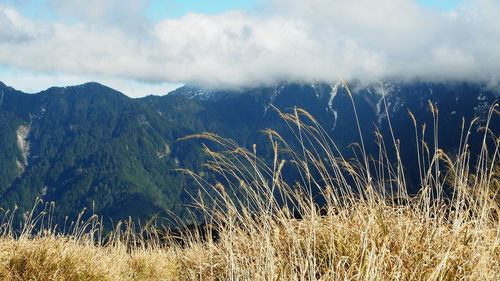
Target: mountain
92, 147
331, 105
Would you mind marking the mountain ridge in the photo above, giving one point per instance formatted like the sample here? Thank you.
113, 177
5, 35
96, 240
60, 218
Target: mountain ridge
94, 147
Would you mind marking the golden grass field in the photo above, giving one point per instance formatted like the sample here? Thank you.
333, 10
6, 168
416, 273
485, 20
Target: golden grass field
369, 229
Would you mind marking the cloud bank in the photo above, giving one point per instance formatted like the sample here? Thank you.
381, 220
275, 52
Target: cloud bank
288, 40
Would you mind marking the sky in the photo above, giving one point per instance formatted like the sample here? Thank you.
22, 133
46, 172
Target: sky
143, 47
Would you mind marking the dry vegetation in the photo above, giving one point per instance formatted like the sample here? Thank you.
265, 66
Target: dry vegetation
369, 229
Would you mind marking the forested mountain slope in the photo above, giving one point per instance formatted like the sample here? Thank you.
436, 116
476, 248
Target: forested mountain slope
92, 147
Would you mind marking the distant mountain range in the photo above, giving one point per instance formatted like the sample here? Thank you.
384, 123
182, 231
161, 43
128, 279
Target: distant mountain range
89, 146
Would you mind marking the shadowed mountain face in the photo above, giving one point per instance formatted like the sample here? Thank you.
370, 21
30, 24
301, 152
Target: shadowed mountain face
92, 147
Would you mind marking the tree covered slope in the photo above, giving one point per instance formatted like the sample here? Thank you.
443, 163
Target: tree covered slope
92, 147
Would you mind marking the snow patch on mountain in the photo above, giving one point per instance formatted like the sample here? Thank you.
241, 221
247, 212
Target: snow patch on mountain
202, 94
273, 96
333, 93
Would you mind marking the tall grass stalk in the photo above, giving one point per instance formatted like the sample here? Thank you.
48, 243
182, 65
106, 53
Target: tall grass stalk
370, 227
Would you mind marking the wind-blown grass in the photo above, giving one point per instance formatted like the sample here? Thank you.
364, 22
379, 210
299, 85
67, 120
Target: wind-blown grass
369, 228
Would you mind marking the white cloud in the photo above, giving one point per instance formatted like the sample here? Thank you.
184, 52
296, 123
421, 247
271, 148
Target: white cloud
292, 40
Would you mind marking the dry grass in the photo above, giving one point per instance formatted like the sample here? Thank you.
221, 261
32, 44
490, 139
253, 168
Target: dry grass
61, 258
371, 229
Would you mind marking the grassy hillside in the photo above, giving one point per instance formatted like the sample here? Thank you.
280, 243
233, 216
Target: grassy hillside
370, 228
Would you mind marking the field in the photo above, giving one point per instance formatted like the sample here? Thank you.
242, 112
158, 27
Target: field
369, 227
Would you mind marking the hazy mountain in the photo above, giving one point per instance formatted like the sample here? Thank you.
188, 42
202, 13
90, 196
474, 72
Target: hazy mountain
91, 146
